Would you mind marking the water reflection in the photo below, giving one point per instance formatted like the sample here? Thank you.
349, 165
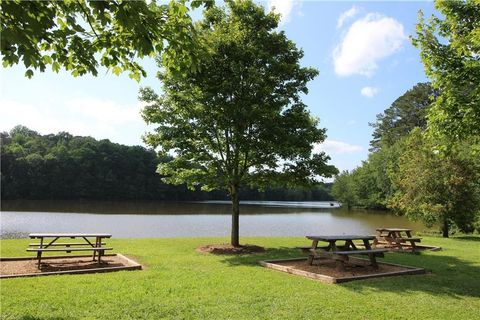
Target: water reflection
177, 219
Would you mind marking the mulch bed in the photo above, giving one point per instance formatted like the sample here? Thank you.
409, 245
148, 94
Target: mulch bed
325, 270
229, 249
28, 267
328, 267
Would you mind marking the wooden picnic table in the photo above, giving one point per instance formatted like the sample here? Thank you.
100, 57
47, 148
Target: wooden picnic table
48, 243
395, 237
341, 253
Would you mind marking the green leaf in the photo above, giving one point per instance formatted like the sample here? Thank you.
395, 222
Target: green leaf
56, 66
117, 70
29, 73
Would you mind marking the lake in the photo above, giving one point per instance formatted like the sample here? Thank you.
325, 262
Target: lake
190, 219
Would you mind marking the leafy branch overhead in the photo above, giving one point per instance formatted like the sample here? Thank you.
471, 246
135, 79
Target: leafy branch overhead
450, 51
80, 35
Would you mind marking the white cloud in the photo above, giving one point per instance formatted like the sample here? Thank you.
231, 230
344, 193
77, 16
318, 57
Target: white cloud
350, 13
369, 92
283, 7
367, 41
104, 110
84, 116
332, 147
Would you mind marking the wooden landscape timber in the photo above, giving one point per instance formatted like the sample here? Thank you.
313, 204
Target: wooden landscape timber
277, 265
122, 263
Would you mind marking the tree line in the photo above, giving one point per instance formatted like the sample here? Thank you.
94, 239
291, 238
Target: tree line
63, 166
411, 173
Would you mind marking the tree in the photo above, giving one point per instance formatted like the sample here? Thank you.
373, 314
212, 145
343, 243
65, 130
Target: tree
343, 190
370, 185
240, 120
407, 112
78, 35
450, 49
437, 188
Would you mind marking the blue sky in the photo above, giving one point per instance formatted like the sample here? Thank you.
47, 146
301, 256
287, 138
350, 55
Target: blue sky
361, 49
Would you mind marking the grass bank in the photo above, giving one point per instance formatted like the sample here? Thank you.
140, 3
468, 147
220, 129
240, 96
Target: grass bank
179, 283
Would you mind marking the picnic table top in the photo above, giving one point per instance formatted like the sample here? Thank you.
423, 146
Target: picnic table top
341, 237
393, 229
55, 235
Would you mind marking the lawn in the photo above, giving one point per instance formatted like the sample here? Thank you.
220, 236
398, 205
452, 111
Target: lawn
179, 283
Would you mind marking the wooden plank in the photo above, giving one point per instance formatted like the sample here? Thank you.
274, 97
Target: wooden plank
393, 229
328, 279
55, 257
341, 237
307, 248
385, 274
69, 235
134, 266
67, 249
290, 270
360, 251
411, 239
64, 244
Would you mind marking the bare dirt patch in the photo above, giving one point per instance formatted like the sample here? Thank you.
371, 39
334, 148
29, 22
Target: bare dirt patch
229, 249
62, 265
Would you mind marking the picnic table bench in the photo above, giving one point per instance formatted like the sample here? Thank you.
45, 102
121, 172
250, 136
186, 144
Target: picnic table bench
341, 253
394, 237
48, 243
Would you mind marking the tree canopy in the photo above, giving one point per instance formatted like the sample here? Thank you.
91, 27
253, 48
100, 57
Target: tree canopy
408, 172
450, 51
407, 112
370, 185
435, 188
80, 35
238, 121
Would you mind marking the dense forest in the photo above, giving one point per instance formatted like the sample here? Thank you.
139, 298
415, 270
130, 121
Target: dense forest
63, 166
407, 171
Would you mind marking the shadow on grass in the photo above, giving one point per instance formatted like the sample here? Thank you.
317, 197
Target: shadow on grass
269, 254
469, 238
446, 275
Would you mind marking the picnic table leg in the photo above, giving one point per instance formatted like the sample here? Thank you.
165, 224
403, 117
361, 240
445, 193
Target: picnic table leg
94, 252
396, 236
377, 239
39, 253
100, 253
312, 252
339, 260
412, 243
371, 256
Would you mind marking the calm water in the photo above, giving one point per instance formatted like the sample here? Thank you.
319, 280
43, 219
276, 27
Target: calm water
190, 219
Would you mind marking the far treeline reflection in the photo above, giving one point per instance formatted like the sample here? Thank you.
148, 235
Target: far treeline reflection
66, 167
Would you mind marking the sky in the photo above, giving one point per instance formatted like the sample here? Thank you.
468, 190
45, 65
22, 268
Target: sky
362, 50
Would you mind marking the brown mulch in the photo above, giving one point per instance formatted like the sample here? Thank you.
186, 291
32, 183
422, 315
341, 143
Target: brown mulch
60, 264
355, 267
229, 249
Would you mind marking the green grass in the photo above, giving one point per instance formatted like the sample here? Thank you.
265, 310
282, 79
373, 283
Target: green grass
179, 283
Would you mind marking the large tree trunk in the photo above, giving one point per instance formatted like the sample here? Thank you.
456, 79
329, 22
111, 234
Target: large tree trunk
445, 228
235, 238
